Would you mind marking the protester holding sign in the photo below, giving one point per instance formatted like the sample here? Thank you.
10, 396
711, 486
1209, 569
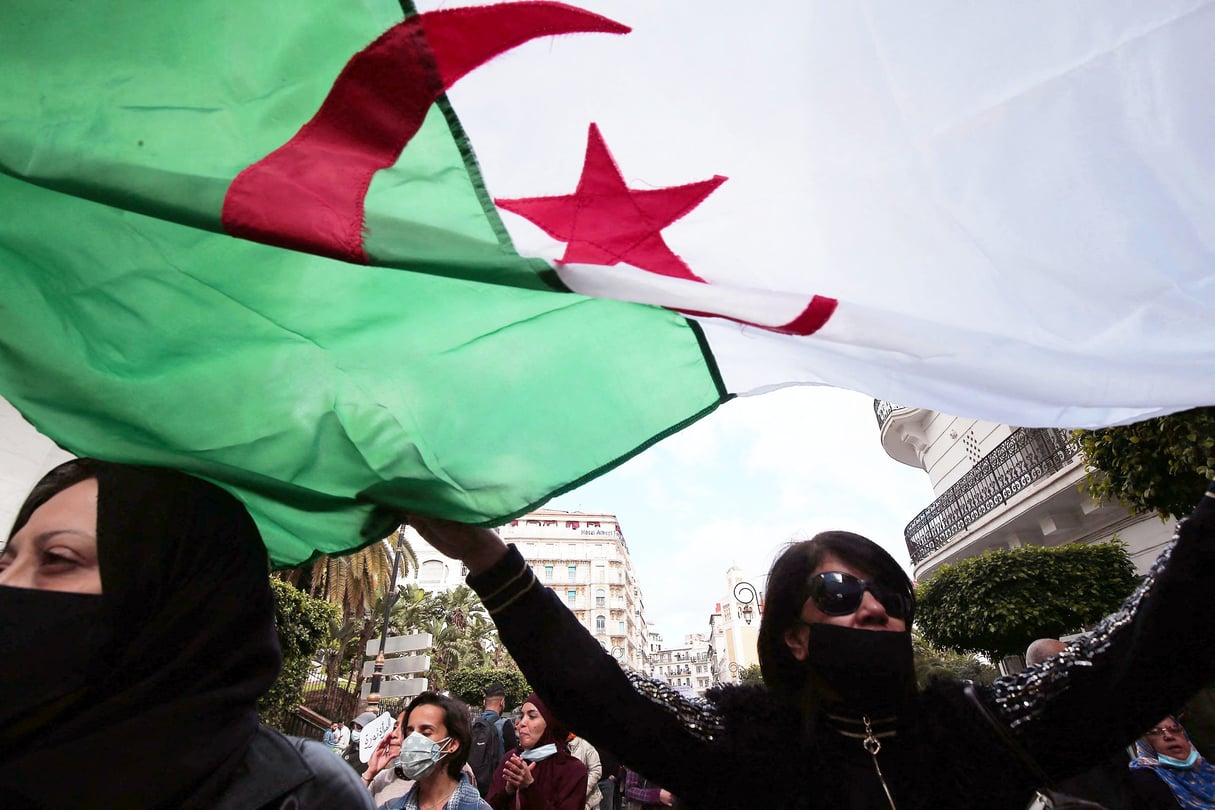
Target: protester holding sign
135, 606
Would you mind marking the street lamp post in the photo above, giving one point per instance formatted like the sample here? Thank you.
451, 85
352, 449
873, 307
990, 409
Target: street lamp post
744, 595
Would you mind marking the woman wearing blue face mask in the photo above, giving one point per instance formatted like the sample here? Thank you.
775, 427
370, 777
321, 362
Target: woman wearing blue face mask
1169, 772
433, 752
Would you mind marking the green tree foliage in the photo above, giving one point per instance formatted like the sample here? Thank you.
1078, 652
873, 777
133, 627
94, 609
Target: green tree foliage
750, 674
1159, 465
932, 663
304, 625
469, 684
998, 602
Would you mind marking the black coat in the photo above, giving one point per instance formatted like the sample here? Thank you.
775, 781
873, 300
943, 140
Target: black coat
747, 747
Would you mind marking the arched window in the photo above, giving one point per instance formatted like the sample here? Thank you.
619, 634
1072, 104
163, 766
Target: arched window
600, 624
432, 572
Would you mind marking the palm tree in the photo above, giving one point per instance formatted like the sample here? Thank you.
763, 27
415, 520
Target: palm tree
357, 583
412, 610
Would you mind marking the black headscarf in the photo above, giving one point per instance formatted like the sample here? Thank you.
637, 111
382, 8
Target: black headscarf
151, 692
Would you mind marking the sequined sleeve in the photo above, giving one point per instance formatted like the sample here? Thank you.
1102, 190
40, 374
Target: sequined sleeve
698, 716
1020, 698
1136, 666
647, 724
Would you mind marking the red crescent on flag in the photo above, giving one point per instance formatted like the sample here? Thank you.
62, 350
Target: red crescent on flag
812, 318
308, 194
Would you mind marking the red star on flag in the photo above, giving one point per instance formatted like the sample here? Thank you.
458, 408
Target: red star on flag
606, 222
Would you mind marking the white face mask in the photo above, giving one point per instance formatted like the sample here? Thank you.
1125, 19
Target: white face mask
419, 755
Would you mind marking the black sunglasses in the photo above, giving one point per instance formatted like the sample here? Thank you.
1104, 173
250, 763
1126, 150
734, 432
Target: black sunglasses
838, 594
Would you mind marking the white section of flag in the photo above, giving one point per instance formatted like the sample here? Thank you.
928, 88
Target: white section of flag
1013, 203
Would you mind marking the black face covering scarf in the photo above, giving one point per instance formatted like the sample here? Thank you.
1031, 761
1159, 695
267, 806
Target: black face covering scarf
867, 671
145, 696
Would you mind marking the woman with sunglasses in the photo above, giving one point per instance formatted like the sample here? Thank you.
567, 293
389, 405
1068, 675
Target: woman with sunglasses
839, 722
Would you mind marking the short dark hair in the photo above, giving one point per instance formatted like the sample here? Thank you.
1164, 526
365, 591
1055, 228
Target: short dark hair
459, 727
495, 690
788, 590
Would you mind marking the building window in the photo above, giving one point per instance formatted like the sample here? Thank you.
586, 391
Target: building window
573, 572
600, 624
432, 572
571, 596
600, 598
622, 628
548, 573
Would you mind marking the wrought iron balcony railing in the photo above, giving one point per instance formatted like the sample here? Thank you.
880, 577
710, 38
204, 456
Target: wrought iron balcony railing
882, 410
1027, 456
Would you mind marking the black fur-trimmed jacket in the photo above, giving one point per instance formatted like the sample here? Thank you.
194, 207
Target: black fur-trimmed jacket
746, 747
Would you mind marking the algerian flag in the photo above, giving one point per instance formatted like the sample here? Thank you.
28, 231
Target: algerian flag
996, 212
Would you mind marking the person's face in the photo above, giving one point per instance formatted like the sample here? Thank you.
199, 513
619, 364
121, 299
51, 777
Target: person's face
531, 726
1169, 738
869, 616
57, 549
397, 735
427, 720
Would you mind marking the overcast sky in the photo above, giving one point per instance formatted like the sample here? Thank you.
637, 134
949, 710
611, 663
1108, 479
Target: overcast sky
736, 486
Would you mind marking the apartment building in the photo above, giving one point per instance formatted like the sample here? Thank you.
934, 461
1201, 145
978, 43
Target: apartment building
687, 667
584, 558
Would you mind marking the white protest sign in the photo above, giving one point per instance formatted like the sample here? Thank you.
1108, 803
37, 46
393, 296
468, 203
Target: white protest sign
372, 733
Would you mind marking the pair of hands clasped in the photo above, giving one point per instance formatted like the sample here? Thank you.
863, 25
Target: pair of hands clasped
518, 774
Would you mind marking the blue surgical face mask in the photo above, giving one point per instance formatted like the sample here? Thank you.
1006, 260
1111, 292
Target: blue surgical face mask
419, 755
1188, 762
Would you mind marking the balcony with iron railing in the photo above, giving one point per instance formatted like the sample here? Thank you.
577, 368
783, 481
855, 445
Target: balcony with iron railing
882, 410
1027, 456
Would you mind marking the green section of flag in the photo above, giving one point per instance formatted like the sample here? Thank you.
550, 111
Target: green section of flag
309, 386
425, 214
156, 107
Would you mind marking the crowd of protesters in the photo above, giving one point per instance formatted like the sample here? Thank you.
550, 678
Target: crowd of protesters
123, 579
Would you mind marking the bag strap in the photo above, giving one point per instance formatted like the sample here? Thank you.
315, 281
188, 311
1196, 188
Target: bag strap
1005, 734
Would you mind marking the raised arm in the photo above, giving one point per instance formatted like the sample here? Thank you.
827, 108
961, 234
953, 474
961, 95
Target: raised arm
653, 728
1138, 665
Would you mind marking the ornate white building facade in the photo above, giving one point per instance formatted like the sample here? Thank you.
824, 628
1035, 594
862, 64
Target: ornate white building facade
999, 487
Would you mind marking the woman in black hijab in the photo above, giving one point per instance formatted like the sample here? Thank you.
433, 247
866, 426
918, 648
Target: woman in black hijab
131, 677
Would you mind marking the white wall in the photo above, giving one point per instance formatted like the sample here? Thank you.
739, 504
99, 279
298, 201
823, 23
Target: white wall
25, 456
952, 447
